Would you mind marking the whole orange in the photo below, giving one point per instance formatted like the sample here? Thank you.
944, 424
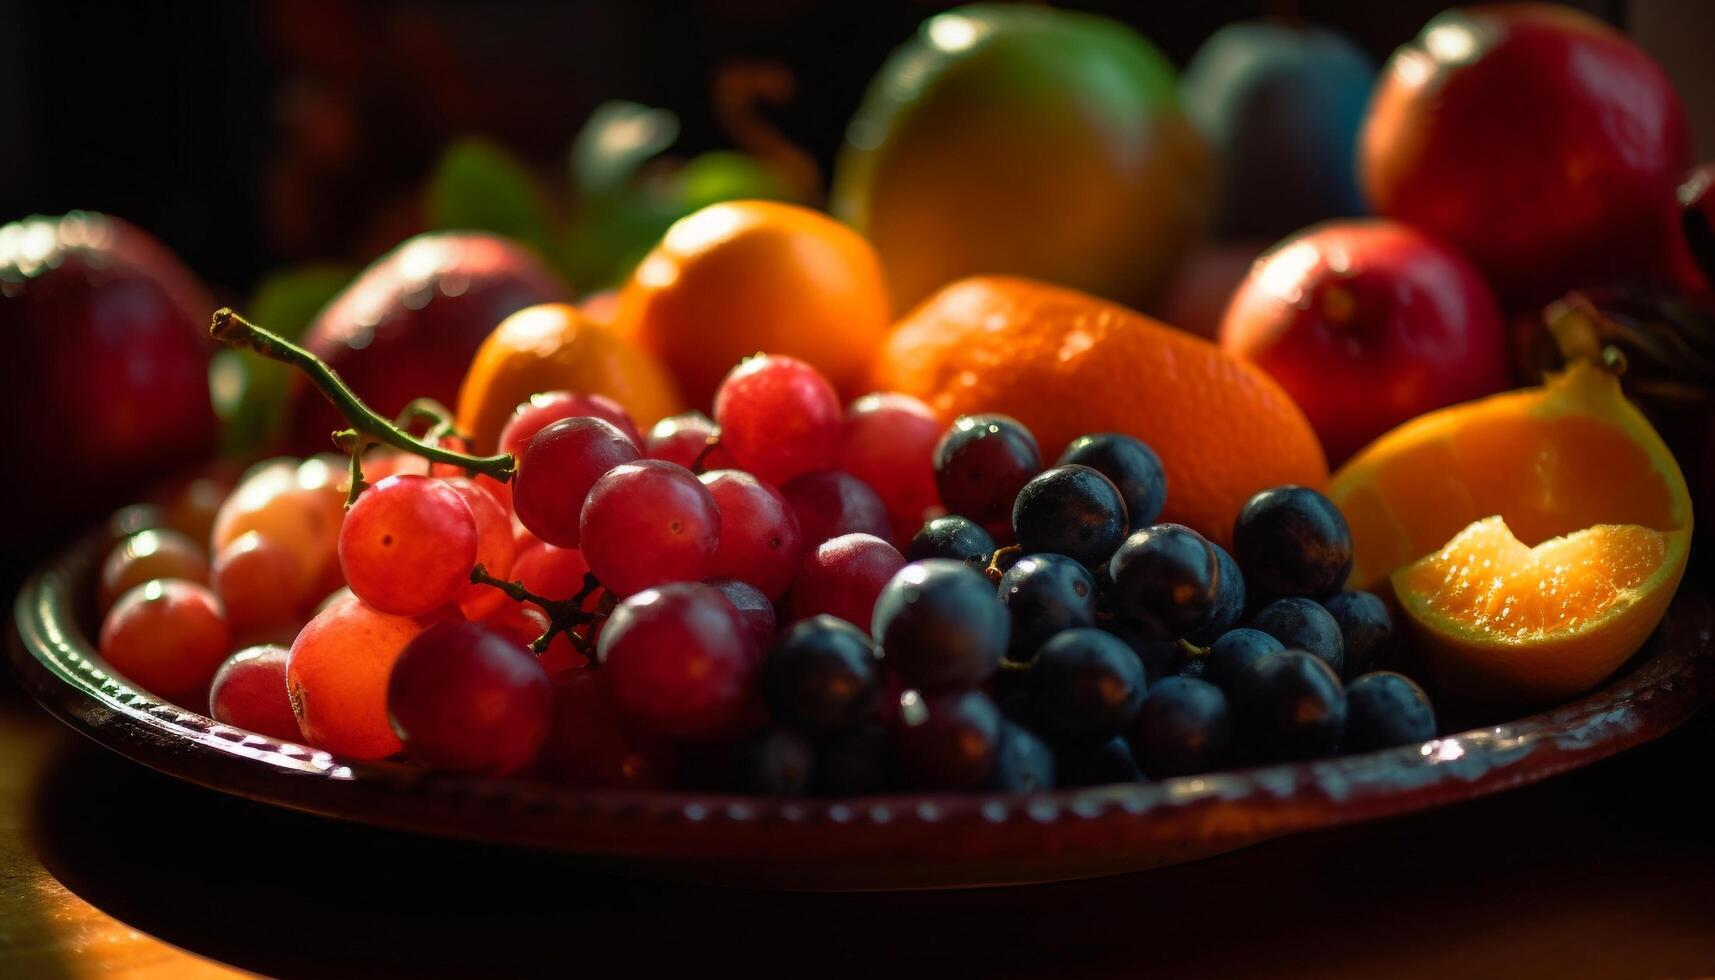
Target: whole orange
556, 347
1066, 363
747, 276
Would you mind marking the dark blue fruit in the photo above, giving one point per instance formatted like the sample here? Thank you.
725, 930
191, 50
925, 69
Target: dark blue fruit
1045, 594
1072, 511
1234, 651
940, 625
1096, 765
1229, 599
1166, 579
1132, 466
1193, 667
1160, 658
1292, 541
955, 537
1384, 710
780, 763
948, 740
853, 764
1085, 686
822, 677
1184, 728
1302, 624
1366, 629
1024, 765
1289, 705
981, 464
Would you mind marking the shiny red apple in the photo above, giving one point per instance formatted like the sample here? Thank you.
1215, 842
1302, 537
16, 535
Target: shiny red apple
104, 382
1537, 140
408, 326
1367, 323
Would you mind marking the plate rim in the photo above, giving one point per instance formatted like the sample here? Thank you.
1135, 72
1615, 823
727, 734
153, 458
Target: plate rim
1104, 829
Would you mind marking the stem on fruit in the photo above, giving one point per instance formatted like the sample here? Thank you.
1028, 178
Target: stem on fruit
366, 426
564, 615
709, 446
994, 571
1575, 324
1189, 649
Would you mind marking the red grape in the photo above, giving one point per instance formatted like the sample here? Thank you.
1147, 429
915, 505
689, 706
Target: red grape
557, 470
249, 692
247, 575
465, 698
679, 659
843, 576
829, 503
189, 504
336, 676
888, 441
408, 545
167, 637
592, 743
297, 505
501, 492
552, 572
946, 740
759, 539
147, 555
682, 438
548, 407
493, 547
648, 523
754, 610
779, 417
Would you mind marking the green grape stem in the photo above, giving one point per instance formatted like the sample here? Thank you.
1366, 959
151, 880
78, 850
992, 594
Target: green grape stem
366, 425
564, 615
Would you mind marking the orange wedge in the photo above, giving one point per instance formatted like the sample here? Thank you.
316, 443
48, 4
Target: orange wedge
1556, 526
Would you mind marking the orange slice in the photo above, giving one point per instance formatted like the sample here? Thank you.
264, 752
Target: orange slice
1570, 497
1509, 622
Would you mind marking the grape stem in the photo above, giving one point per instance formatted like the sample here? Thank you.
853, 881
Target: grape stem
366, 426
564, 615
709, 446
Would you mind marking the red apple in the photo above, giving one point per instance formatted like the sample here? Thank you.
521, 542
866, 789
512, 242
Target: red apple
1537, 140
1367, 323
104, 382
408, 326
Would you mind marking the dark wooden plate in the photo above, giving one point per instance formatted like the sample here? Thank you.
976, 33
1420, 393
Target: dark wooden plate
887, 842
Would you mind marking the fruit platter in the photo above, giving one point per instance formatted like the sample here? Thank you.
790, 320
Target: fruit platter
935, 536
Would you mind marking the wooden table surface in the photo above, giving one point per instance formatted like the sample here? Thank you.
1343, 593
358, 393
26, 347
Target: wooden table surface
109, 869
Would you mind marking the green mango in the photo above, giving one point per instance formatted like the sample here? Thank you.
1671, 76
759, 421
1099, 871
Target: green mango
1025, 141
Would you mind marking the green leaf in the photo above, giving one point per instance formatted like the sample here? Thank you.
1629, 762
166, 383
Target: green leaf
477, 186
249, 390
618, 138
726, 175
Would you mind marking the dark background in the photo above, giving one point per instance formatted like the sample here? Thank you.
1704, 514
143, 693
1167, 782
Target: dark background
248, 135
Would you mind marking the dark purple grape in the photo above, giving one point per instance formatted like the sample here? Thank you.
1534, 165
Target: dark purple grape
1290, 705
1366, 629
754, 610
1166, 579
463, 697
1230, 596
1045, 594
780, 763
1384, 710
1292, 541
981, 464
823, 677
1085, 686
946, 740
940, 625
1070, 510
1302, 624
1025, 764
1235, 650
955, 537
1184, 728
1096, 765
1132, 466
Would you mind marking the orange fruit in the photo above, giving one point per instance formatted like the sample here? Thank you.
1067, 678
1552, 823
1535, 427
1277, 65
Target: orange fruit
1449, 506
556, 347
1066, 363
1549, 460
747, 276
1508, 622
